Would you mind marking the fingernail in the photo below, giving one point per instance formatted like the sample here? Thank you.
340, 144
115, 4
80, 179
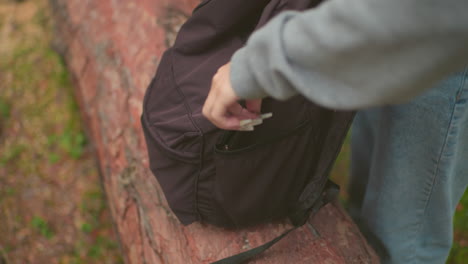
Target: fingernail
245, 122
265, 116
247, 128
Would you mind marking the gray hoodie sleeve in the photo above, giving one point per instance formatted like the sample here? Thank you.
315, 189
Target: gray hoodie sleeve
354, 54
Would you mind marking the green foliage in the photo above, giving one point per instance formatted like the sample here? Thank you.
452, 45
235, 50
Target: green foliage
459, 252
53, 157
69, 141
461, 215
86, 228
10, 191
4, 109
5, 193
11, 154
458, 255
41, 18
100, 245
93, 204
72, 143
95, 251
60, 74
42, 227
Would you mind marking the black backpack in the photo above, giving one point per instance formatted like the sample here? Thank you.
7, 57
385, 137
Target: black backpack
235, 179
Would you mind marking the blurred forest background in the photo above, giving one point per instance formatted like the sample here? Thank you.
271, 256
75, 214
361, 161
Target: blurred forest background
52, 207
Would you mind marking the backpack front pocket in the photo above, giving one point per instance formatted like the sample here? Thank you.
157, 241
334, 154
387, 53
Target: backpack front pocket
261, 182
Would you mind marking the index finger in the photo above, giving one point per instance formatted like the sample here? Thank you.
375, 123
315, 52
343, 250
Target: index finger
226, 117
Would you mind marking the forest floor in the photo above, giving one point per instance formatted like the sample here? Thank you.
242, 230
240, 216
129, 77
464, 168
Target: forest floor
52, 207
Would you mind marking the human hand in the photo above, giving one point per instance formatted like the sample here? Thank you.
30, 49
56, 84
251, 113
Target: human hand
223, 109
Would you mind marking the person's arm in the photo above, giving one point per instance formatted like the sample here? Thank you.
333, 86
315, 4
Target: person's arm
351, 54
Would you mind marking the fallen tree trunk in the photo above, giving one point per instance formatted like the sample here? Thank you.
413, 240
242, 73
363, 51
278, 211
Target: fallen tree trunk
112, 49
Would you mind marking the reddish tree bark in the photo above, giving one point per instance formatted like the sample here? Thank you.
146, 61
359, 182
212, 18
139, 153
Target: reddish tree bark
112, 49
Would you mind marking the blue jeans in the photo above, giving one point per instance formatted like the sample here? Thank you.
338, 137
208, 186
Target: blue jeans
409, 171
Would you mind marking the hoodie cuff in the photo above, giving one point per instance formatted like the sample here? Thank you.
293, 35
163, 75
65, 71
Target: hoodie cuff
242, 78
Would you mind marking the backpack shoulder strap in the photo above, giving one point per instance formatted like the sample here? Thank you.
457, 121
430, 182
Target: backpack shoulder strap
298, 219
330, 192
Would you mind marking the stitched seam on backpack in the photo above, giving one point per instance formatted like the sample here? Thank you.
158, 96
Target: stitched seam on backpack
189, 114
156, 136
200, 6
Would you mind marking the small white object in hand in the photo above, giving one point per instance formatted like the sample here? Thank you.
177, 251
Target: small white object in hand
266, 115
247, 128
248, 124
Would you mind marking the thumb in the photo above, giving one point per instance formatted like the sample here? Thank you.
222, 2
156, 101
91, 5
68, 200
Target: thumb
254, 105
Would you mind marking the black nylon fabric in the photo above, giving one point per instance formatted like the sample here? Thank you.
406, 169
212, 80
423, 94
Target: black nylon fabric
225, 178
330, 193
